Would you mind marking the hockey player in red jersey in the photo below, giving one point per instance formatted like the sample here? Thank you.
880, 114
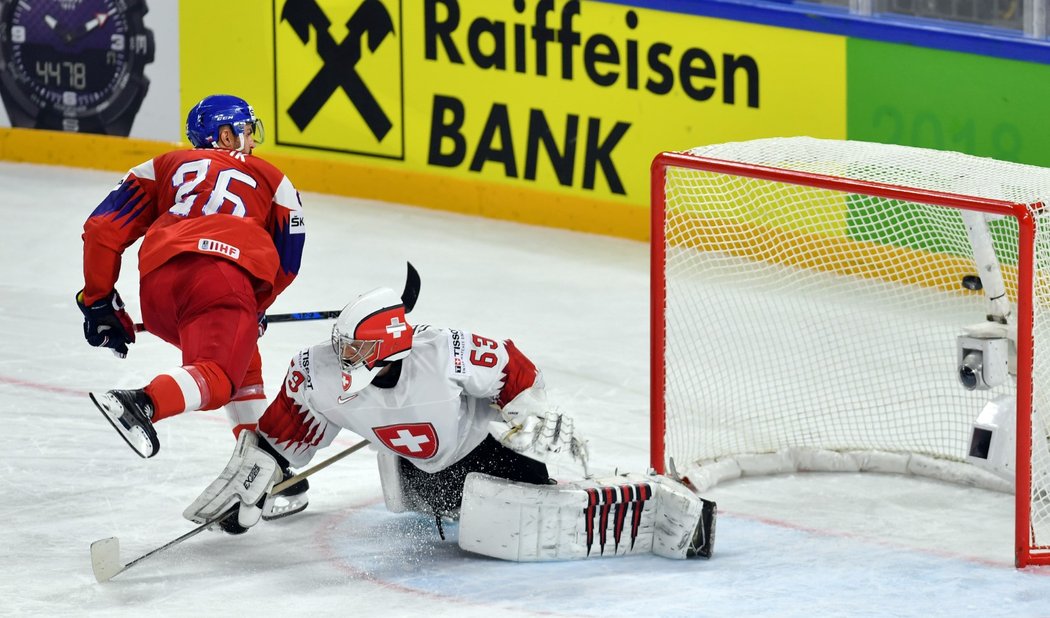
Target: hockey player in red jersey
223, 234
461, 424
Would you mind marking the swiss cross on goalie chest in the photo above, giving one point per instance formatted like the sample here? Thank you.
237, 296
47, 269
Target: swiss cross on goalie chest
414, 440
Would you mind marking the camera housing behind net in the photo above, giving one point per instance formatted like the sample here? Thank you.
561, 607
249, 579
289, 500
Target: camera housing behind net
983, 362
993, 443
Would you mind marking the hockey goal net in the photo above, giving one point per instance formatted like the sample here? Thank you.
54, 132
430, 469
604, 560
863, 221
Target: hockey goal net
807, 300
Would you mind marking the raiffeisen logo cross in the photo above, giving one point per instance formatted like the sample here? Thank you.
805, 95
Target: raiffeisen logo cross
330, 78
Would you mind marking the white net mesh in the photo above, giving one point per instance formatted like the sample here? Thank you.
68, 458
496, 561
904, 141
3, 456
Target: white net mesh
819, 327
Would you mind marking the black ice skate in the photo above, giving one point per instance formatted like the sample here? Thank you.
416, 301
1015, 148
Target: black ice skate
703, 542
130, 412
288, 501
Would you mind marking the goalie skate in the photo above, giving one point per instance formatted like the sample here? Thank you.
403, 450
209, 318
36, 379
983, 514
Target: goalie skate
130, 412
287, 502
703, 543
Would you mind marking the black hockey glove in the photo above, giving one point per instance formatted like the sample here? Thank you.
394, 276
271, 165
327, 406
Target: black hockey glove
263, 323
106, 324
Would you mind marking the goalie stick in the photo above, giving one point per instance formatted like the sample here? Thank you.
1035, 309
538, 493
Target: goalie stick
105, 553
288, 482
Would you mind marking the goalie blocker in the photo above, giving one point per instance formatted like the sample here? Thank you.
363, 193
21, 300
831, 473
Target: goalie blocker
627, 514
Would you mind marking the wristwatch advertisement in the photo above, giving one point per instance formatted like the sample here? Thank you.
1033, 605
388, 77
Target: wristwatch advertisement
74, 65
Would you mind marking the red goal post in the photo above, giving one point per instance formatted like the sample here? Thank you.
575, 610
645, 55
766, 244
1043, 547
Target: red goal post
806, 304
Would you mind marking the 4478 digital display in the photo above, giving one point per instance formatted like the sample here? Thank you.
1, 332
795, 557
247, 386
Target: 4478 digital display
74, 66
65, 73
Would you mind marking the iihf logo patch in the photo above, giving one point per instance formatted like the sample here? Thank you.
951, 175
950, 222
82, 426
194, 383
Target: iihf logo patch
214, 246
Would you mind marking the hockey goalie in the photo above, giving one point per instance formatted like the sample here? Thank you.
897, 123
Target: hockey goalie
463, 431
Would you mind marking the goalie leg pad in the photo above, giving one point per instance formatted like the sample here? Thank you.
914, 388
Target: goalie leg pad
394, 495
248, 476
592, 518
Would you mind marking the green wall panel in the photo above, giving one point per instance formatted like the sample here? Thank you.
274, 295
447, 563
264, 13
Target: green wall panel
979, 105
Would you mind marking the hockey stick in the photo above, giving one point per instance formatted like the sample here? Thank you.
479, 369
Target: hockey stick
278, 317
408, 298
105, 553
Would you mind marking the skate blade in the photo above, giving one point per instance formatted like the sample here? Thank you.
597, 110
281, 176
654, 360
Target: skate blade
284, 508
120, 431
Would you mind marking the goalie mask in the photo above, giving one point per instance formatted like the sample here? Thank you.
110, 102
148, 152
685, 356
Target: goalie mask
370, 333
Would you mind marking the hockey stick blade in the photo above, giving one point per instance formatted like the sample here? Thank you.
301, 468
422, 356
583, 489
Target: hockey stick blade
411, 292
105, 553
105, 559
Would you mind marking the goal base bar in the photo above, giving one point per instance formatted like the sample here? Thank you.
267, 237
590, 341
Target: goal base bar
706, 474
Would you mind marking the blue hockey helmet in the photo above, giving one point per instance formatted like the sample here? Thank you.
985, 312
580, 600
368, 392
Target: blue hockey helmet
212, 112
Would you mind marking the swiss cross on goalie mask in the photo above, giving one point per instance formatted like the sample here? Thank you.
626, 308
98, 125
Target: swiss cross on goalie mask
388, 326
370, 333
414, 440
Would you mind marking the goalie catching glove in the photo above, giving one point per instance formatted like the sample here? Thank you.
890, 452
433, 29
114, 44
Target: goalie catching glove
529, 427
243, 485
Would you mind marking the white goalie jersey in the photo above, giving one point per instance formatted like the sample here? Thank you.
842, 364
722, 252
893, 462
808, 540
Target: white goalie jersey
437, 412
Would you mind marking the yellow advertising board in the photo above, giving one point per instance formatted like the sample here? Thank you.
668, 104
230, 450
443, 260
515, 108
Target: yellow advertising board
540, 102
338, 77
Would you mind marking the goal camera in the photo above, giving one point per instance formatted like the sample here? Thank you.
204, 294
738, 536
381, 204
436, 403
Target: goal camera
993, 444
983, 362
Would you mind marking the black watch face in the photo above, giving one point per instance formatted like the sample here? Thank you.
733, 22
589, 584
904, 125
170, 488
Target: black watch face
72, 57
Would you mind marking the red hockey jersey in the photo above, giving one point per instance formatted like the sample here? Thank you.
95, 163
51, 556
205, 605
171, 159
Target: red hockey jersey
216, 202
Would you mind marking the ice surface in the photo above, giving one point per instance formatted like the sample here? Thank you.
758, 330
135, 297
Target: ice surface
803, 545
